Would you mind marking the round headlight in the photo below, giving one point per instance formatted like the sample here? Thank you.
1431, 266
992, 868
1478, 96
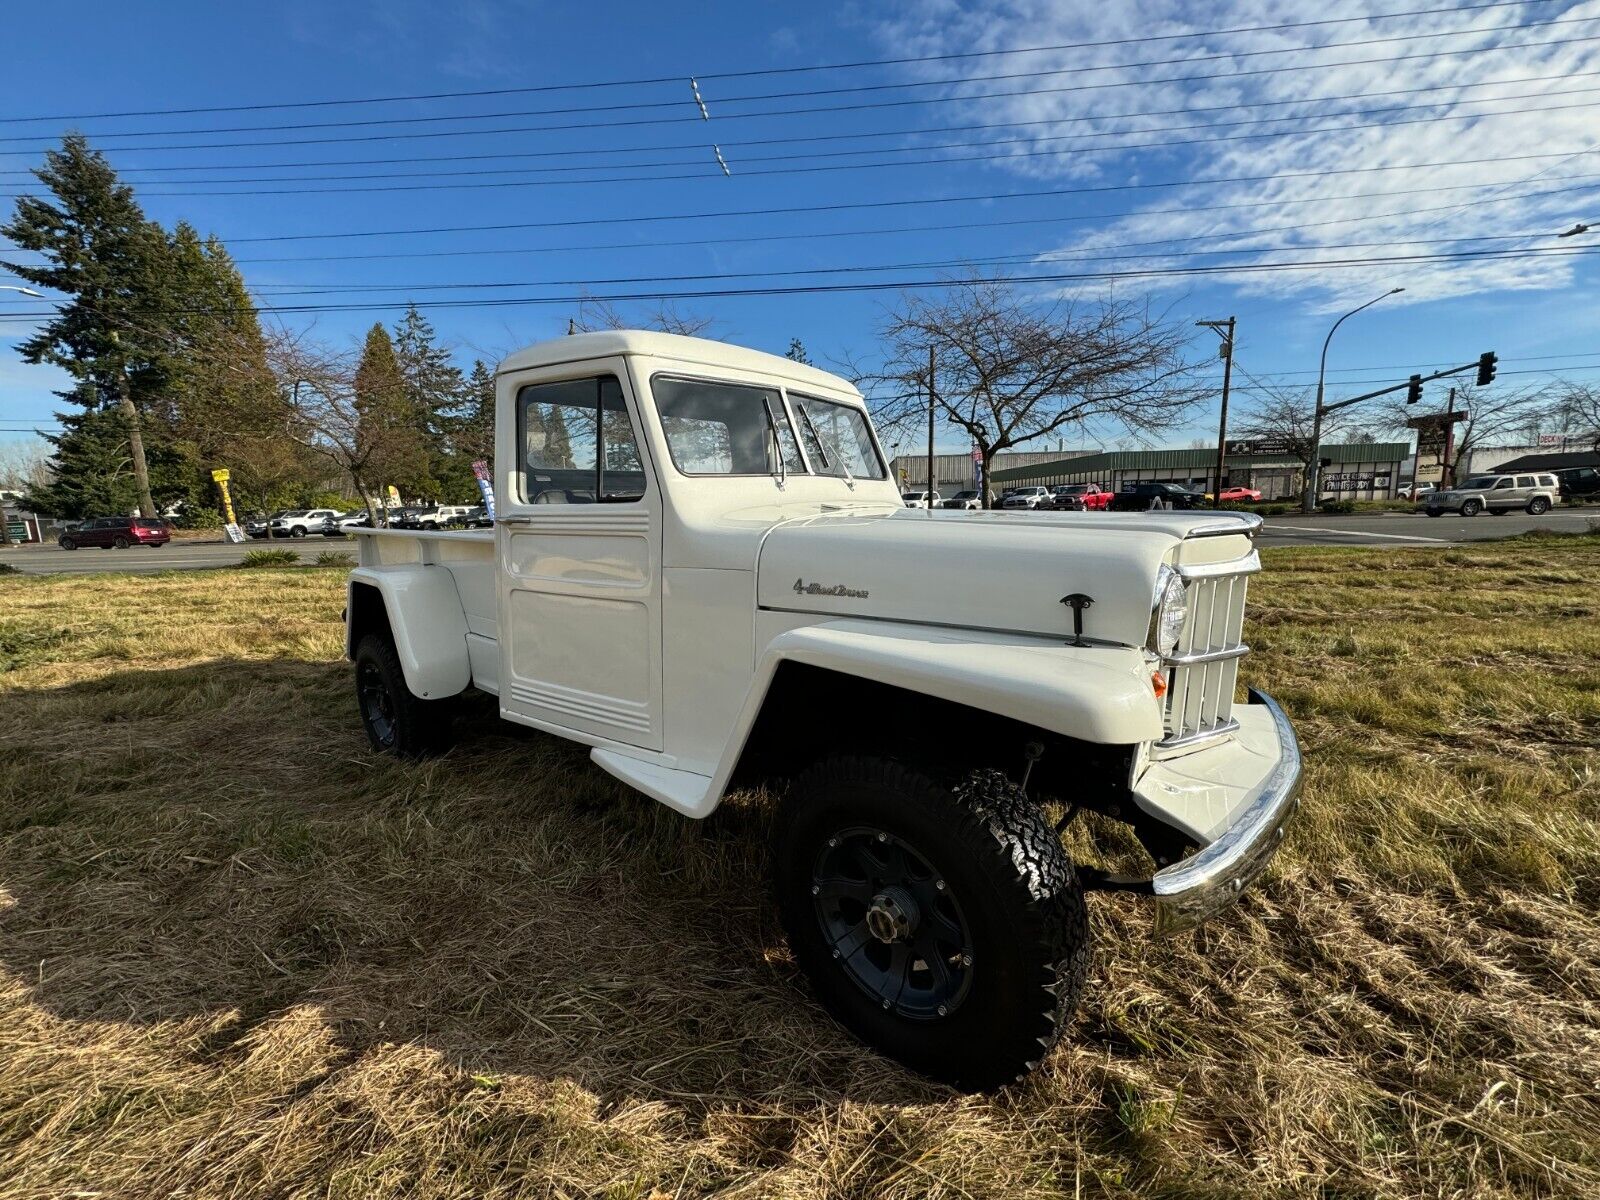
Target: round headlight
1172, 609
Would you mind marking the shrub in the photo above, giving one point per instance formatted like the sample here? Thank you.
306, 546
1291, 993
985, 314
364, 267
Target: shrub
1338, 507
328, 558
7, 569
270, 558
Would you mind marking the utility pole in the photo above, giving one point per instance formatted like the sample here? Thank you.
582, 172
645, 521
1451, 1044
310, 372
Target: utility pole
930, 428
1445, 479
1227, 381
130, 414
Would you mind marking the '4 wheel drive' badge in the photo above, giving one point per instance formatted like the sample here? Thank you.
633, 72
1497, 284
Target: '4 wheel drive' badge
802, 588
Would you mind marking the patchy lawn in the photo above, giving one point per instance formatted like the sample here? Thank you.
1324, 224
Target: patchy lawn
241, 956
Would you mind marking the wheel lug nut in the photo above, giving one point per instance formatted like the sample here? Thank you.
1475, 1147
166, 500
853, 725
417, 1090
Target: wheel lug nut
938, 885
943, 1011
815, 890
883, 837
832, 842
836, 954
966, 960
886, 1004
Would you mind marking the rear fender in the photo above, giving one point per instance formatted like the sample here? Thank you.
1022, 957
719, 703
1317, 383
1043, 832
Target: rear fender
425, 620
1097, 694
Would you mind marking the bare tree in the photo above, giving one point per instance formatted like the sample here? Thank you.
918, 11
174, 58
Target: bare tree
335, 414
1010, 371
1579, 407
664, 318
1494, 416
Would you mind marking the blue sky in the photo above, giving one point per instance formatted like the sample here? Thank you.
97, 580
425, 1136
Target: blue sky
1517, 86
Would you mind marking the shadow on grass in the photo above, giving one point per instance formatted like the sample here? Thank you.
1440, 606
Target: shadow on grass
216, 845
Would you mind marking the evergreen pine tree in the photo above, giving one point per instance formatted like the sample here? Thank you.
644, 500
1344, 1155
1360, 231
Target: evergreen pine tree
437, 395
104, 257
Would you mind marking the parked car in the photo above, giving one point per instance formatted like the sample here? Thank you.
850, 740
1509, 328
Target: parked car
116, 533
1026, 497
1578, 481
260, 527
297, 523
332, 527
1414, 491
433, 516
918, 499
1078, 497
355, 520
476, 517
750, 620
1533, 493
1239, 495
967, 499
1138, 497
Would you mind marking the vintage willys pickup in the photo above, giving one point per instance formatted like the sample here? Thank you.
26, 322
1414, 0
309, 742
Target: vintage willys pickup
702, 569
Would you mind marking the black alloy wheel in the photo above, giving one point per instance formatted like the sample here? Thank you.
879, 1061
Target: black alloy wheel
397, 721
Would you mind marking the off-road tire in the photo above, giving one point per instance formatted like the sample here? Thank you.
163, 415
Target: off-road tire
1018, 896
1471, 508
1538, 506
120, 543
412, 727
66, 543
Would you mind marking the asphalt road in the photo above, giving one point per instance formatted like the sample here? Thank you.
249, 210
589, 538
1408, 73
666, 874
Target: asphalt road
1370, 529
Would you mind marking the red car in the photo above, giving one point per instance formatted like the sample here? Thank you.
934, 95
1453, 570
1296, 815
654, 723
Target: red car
1079, 497
117, 532
1238, 494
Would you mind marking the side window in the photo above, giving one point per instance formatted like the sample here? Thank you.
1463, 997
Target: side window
1507, 482
578, 443
1526, 481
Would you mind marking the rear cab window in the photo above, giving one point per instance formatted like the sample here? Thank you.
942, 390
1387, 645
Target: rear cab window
578, 444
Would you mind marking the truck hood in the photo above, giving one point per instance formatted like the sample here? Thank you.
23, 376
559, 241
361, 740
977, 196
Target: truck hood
1005, 573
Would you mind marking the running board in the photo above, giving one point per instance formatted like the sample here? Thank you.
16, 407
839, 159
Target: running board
687, 791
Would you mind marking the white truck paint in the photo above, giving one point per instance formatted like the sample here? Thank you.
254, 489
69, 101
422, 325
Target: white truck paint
653, 611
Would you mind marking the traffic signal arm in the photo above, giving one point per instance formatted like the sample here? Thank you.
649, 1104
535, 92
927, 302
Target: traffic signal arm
1415, 381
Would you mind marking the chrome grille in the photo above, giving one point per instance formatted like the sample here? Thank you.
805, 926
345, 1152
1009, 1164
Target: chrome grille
1203, 670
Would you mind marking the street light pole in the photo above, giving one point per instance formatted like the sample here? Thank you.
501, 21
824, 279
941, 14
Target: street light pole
1313, 486
1227, 380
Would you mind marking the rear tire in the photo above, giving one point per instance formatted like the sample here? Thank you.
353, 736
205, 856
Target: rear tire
971, 982
1538, 506
121, 543
397, 722
1471, 508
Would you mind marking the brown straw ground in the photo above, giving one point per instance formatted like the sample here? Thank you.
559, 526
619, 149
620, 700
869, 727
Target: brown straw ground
242, 956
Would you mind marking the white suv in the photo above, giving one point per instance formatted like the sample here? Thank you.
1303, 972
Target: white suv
1027, 497
300, 522
1534, 493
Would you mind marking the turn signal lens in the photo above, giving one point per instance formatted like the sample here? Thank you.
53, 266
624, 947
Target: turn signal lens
1158, 683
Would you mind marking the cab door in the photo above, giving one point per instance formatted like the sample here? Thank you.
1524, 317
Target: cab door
578, 536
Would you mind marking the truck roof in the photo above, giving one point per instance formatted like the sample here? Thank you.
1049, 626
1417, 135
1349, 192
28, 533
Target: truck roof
608, 343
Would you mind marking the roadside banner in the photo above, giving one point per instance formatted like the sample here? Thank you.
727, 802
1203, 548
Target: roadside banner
480, 472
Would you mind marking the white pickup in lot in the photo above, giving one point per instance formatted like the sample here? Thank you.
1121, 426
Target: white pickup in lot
702, 569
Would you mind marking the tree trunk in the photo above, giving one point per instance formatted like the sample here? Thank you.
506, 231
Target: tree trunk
141, 472
986, 495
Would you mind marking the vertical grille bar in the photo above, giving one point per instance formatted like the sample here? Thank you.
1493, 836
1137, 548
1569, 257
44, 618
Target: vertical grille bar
1200, 695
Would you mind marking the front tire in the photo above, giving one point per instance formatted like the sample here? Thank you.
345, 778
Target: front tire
67, 543
397, 722
299, 531
945, 927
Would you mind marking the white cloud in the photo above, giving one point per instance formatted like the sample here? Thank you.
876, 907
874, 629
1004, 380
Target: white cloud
1327, 213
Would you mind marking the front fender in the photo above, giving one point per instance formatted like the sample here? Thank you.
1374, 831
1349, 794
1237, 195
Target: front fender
1099, 694
426, 621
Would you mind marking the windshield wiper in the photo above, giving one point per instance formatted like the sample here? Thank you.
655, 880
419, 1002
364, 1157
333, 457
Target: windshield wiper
827, 463
777, 442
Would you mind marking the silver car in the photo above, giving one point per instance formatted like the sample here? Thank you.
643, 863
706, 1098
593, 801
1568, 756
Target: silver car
1532, 493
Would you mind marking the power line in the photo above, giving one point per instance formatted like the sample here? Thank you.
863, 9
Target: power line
859, 106
1118, 147
885, 133
838, 288
759, 72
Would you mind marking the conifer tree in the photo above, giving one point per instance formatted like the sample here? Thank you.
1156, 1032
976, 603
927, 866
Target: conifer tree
104, 257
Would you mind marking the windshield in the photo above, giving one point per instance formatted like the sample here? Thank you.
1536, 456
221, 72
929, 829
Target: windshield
1481, 481
845, 448
969, 495
726, 428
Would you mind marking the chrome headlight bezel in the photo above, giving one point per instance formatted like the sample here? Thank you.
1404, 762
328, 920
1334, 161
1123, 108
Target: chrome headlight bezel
1169, 611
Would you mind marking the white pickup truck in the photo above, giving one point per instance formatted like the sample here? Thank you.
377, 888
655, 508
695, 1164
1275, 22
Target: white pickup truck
702, 569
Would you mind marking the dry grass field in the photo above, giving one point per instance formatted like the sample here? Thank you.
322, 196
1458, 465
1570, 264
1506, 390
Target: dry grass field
241, 956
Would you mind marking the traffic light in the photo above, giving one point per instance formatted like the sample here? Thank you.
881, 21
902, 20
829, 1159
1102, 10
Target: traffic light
1486, 365
1414, 389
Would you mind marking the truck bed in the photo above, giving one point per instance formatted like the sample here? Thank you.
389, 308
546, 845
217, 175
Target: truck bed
469, 556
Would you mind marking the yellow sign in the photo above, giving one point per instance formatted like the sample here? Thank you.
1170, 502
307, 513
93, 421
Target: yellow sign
221, 476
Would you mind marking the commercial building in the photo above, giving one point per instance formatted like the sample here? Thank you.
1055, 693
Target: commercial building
958, 472
1361, 471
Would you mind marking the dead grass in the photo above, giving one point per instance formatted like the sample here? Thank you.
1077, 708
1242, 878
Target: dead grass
240, 956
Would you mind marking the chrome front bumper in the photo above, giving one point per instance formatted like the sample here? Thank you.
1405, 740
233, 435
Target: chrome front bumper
1190, 891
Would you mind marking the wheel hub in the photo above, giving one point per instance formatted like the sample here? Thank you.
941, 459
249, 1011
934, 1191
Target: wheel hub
892, 916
